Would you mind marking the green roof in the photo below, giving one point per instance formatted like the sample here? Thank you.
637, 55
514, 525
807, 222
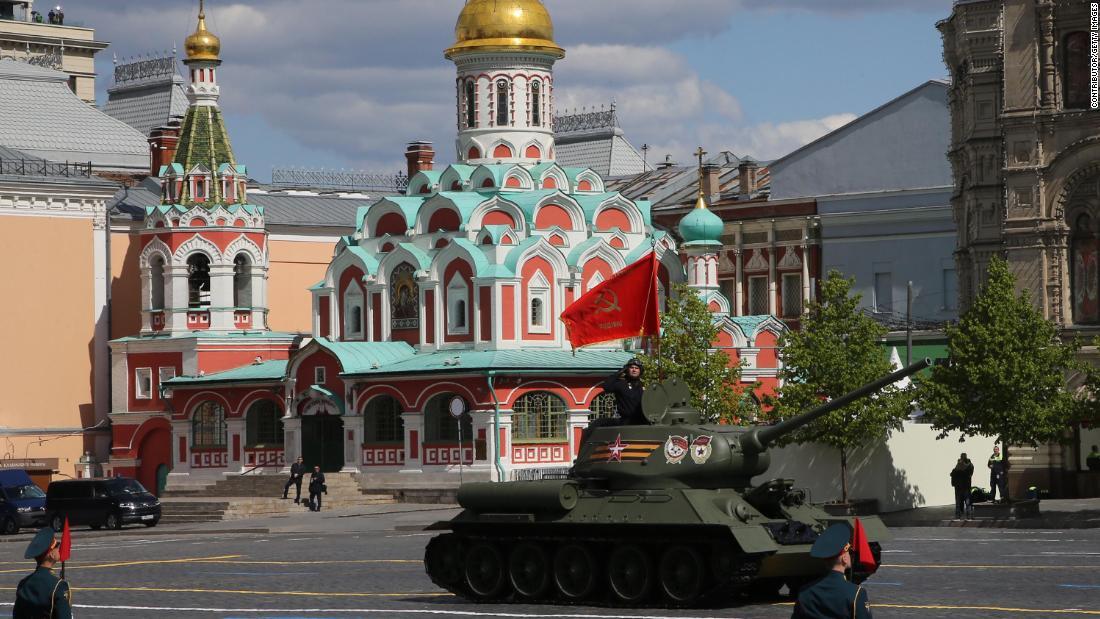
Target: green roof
367, 258
359, 357
481, 263
504, 361
204, 141
267, 371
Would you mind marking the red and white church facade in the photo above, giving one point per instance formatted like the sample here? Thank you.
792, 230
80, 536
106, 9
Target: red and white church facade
437, 318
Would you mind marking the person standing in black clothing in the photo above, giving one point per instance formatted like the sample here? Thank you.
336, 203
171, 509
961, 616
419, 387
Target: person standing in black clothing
961, 479
627, 386
316, 489
998, 480
297, 471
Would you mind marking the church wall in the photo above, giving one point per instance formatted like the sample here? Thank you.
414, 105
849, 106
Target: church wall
125, 283
52, 303
294, 267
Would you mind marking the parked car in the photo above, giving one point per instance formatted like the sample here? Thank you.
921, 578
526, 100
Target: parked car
22, 504
99, 503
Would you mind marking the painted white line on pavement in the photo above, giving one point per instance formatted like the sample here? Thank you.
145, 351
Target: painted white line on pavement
387, 611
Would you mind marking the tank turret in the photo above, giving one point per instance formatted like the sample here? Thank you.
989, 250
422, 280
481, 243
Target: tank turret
661, 513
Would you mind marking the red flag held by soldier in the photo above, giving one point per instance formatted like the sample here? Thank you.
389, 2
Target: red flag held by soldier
623, 306
864, 558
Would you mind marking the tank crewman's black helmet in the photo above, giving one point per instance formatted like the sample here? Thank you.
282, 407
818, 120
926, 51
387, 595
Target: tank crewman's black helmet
635, 362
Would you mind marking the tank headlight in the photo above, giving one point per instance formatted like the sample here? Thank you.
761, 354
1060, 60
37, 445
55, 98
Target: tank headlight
741, 512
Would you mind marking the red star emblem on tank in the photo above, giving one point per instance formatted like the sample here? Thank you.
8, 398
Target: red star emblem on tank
615, 450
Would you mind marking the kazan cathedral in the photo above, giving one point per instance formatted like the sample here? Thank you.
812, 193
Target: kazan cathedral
435, 340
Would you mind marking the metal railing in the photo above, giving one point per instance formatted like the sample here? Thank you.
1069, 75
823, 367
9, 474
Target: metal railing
41, 167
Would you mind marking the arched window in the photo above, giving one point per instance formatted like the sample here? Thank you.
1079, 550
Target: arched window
538, 317
264, 425
353, 312
536, 104
440, 426
603, 406
1084, 276
208, 426
471, 105
502, 102
539, 416
382, 421
458, 298
156, 282
198, 281
1075, 71
242, 282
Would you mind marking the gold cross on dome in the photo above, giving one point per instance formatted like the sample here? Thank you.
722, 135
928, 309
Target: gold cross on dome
700, 154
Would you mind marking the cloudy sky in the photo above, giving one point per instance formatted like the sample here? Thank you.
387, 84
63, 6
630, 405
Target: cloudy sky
346, 83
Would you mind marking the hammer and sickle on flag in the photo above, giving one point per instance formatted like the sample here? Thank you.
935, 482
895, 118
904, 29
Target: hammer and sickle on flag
626, 305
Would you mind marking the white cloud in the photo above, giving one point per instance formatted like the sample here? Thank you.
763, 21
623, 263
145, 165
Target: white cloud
360, 78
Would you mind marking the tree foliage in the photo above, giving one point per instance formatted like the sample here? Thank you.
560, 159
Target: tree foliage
1007, 372
836, 351
685, 350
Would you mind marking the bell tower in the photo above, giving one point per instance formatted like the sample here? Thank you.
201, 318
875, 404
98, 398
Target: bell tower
204, 258
504, 52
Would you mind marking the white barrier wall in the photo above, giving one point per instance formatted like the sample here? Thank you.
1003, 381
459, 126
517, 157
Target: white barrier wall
912, 469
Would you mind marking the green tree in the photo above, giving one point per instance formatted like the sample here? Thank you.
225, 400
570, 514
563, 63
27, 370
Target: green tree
684, 350
1007, 372
836, 351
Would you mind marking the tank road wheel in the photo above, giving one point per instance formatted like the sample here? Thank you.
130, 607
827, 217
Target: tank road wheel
529, 570
682, 574
630, 572
443, 560
575, 572
486, 572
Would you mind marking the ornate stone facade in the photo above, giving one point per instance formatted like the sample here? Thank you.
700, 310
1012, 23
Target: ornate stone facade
1025, 151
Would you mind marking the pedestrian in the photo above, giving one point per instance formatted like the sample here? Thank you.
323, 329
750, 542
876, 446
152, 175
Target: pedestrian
961, 478
316, 489
832, 596
627, 386
297, 472
998, 480
43, 595
1093, 461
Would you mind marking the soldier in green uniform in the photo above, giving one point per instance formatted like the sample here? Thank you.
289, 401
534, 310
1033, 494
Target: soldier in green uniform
43, 595
832, 596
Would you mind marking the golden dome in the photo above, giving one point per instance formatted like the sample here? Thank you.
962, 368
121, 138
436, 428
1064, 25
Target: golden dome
202, 44
502, 25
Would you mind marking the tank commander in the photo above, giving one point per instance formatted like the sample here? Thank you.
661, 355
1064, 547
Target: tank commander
832, 596
627, 386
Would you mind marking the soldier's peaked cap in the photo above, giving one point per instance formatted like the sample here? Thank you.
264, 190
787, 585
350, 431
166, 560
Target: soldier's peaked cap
40, 543
832, 542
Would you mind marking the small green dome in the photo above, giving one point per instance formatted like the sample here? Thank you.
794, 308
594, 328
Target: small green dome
701, 225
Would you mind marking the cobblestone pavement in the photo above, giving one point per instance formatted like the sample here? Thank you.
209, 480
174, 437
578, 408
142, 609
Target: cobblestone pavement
366, 563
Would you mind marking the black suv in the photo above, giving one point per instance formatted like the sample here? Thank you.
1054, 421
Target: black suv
99, 503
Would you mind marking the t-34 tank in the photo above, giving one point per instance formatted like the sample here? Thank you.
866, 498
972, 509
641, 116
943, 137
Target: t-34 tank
660, 514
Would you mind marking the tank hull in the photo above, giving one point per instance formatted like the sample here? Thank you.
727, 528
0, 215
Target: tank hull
666, 547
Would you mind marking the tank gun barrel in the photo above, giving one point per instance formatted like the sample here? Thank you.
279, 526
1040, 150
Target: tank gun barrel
758, 439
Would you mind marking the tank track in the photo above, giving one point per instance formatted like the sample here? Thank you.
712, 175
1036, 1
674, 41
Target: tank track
727, 572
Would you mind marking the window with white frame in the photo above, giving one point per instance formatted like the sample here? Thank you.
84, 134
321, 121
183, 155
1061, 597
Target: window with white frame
504, 90
318, 375
458, 303
229, 189
165, 374
536, 104
538, 304
758, 295
143, 383
792, 295
471, 105
353, 312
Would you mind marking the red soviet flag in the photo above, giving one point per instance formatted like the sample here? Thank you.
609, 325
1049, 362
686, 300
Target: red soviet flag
66, 542
864, 558
623, 306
